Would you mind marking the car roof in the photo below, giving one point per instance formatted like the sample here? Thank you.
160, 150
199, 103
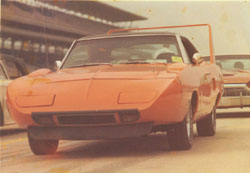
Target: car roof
9, 57
126, 34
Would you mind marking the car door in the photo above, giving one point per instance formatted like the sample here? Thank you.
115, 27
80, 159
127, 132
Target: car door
206, 86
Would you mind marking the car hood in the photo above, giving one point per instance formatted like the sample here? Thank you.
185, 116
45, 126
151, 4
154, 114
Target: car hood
106, 72
236, 76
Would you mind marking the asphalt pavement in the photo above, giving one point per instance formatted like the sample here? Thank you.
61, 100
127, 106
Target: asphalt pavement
226, 152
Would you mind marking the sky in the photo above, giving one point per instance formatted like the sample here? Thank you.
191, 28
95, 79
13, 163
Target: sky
230, 21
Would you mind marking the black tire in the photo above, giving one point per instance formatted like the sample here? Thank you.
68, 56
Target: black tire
207, 125
1, 115
42, 147
181, 136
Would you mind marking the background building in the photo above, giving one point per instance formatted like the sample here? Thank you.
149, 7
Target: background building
40, 32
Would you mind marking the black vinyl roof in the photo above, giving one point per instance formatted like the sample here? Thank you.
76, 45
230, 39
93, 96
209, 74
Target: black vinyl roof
17, 60
9, 57
124, 34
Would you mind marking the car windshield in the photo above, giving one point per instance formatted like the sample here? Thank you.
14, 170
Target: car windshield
233, 62
124, 50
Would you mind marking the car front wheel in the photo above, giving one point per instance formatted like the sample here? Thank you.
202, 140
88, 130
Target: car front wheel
181, 136
207, 125
42, 147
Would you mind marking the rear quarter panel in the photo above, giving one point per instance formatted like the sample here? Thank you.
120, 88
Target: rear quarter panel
192, 77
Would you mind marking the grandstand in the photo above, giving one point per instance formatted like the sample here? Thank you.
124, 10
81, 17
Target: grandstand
40, 32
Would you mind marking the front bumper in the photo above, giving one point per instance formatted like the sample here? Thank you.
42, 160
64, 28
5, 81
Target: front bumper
91, 132
235, 95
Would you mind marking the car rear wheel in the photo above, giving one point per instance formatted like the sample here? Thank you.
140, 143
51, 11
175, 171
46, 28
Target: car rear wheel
1, 116
42, 147
181, 136
207, 125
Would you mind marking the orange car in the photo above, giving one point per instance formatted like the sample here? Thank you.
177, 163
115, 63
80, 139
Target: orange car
118, 86
236, 72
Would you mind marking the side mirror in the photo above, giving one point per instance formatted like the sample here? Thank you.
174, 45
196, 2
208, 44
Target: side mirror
57, 64
197, 58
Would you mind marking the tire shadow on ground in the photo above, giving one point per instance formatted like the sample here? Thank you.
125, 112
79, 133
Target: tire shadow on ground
6, 132
234, 115
140, 146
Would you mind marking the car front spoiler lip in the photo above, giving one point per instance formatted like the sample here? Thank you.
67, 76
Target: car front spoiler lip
91, 132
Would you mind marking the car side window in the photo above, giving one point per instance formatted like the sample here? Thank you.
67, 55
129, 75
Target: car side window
12, 69
190, 49
2, 74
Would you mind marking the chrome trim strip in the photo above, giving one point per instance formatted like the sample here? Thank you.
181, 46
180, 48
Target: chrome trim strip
66, 55
237, 86
234, 85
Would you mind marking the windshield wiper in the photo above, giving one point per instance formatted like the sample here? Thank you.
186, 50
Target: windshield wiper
135, 62
89, 64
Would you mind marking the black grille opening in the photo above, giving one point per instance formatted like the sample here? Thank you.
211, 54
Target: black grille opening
86, 119
44, 119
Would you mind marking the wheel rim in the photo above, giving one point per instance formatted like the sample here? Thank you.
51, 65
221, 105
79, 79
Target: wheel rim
188, 127
214, 119
1, 116
188, 124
